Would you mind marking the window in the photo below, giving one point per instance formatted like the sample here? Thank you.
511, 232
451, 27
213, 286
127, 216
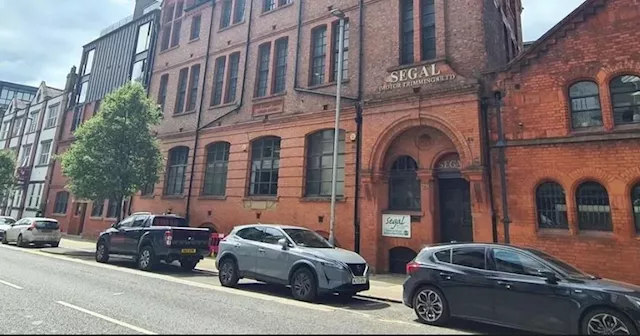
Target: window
193, 87
635, 204
428, 27
625, 97
147, 190
60, 204
113, 208
45, 148
172, 23
406, 28
162, 91
425, 23
88, 64
5, 129
269, 5
336, 51
17, 127
144, 36
318, 52
34, 121
218, 81
82, 95
137, 71
34, 191
125, 223
265, 163
551, 206
594, 213
271, 236
264, 53
585, 105
250, 233
225, 19
175, 34
166, 36
238, 11
196, 21
26, 155
443, 255
52, 116
320, 164
280, 74
97, 209
176, 171
469, 256
77, 118
518, 263
215, 174
404, 185
182, 90
232, 81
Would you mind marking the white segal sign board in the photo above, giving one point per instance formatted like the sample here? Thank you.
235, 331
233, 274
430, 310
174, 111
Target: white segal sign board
396, 226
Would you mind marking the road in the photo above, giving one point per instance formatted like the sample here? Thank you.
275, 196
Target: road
43, 293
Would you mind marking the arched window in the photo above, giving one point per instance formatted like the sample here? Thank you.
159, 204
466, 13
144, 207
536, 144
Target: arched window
551, 206
635, 204
404, 186
265, 163
625, 98
320, 164
594, 212
215, 172
60, 205
585, 105
176, 171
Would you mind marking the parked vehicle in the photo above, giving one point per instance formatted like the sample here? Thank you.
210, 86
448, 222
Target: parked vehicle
5, 224
517, 287
154, 238
290, 255
33, 230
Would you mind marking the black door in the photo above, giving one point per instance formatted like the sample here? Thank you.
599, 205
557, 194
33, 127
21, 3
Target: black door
399, 257
455, 210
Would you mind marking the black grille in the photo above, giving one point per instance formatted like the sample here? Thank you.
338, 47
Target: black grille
357, 269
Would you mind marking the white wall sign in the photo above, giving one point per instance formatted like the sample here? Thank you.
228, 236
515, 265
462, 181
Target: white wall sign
396, 226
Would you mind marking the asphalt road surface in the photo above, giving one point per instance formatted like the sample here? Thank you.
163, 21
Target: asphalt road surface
43, 293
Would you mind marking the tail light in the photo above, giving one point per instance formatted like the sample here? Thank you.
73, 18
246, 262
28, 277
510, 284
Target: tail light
31, 227
412, 267
168, 237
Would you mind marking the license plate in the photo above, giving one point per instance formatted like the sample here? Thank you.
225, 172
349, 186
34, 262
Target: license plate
188, 251
359, 280
44, 230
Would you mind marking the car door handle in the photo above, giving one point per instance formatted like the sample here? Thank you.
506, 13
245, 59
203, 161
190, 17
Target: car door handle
505, 284
445, 275
261, 250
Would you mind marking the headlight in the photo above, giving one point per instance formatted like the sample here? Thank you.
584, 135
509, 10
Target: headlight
332, 265
635, 300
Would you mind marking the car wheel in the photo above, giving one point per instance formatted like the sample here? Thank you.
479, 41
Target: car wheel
603, 321
55, 244
4, 239
102, 252
304, 286
188, 265
430, 306
146, 258
228, 273
19, 241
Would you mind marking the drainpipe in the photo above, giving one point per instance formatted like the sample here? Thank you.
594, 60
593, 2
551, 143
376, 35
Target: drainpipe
358, 120
501, 146
197, 138
484, 108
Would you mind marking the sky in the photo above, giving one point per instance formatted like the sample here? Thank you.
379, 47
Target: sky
42, 39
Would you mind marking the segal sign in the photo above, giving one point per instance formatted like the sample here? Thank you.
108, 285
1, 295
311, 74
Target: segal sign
396, 226
416, 76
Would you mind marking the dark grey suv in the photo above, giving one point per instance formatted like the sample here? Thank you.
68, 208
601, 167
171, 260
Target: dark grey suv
292, 256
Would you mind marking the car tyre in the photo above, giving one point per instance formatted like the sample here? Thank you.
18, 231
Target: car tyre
55, 244
431, 306
102, 252
4, 239
604, 321
19, 241
304, 286
188, 265
146, 258
228, 273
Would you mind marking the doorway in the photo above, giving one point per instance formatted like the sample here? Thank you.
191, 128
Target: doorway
456, 223
399, 257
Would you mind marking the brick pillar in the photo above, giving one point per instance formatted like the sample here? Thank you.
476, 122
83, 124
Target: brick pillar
374, 200
480, 205
428, 200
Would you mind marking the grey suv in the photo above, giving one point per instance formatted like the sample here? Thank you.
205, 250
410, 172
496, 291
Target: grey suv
292, 256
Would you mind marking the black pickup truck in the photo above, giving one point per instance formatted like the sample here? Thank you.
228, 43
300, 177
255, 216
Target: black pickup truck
150, 239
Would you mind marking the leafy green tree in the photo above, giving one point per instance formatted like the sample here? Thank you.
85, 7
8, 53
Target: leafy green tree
115, 153
7, 172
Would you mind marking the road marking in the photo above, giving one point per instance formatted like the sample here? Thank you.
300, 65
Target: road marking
107, 318
10, 284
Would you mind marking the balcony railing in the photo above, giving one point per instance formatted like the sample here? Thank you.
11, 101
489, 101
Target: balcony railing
116, 25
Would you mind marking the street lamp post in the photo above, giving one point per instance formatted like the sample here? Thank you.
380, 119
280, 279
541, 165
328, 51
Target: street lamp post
336, 134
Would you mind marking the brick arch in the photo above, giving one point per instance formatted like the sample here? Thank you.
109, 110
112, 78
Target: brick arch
208, 225
628, 67
630, 178
581, 175
383, 142
440, 156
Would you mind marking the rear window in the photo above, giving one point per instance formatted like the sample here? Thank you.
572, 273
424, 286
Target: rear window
47, 225
443, 255
170, 221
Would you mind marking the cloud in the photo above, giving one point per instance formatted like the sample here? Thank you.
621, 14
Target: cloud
42, 39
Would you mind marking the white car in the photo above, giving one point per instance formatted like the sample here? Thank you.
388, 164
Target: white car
5, 224
33, 230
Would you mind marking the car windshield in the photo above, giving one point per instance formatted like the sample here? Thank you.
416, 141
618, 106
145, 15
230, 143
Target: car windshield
307, 238
7, 221
561, 265
170, 221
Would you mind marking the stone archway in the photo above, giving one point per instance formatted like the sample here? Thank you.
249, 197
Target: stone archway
212, 228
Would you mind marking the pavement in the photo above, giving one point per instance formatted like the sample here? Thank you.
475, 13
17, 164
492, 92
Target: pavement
50, 291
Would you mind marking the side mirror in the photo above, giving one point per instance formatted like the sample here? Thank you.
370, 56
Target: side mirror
284, 243
114, 225
551, 277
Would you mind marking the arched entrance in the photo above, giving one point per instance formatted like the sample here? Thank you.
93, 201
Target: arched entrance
210, 226
454, 200
399, 257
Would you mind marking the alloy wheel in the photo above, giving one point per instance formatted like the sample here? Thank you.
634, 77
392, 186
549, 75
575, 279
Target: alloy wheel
606, 324
226, 273
145, 258
429, 305
100, 252
302, 284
